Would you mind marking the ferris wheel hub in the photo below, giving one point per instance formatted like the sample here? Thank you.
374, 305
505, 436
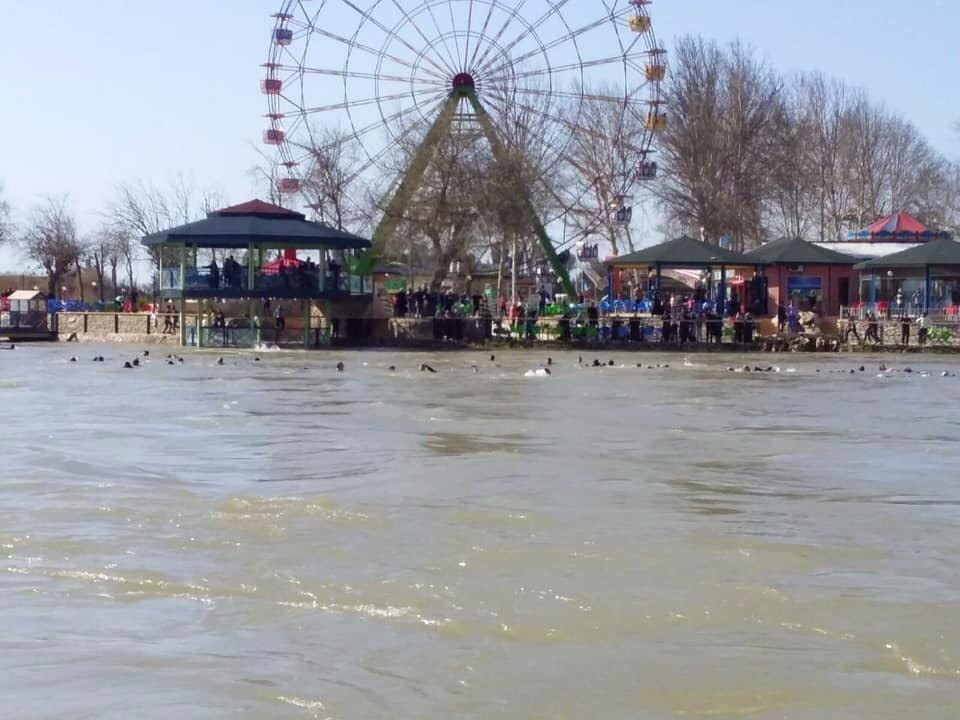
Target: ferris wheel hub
463, 81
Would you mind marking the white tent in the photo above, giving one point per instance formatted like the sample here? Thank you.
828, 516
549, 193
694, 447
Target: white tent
26, 301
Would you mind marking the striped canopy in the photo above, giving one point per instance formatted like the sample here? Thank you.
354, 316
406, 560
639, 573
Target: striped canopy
900, 226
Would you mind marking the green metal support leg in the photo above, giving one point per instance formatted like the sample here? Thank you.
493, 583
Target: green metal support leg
414, 176
539, 230
418, 166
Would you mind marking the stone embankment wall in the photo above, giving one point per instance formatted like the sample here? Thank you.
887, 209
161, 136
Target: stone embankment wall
113, 327
941, 334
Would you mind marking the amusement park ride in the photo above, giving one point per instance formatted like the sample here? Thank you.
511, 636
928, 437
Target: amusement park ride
384, 67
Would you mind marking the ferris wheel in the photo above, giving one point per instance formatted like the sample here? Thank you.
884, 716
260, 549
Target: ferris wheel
374, 70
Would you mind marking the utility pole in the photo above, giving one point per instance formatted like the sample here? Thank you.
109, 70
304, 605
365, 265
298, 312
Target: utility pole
513, 268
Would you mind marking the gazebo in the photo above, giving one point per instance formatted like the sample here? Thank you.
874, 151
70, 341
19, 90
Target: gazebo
251, 230
931, 269
684, 253
795, 268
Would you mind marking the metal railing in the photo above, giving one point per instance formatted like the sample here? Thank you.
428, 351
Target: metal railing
16, 320
301, 281
890, 310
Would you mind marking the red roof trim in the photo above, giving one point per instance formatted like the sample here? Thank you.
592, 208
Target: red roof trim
260, 209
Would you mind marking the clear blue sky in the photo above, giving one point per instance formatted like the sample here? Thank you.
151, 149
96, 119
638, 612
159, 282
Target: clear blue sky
95, 93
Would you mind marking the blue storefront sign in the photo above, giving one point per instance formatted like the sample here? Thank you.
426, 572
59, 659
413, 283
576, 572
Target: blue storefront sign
803, 285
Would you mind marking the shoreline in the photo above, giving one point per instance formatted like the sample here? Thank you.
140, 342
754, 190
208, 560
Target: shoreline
762, 347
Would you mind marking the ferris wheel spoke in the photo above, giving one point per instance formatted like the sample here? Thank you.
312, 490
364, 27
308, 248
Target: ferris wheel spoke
356, 75
456, 36
491, 6
368, 16
616, 29
410, 20
365, 130
532, 28
575, 127
466, 50
554, 69
377, 157
500, 33
442, 36
625, 100
567, 37
353, 44
357, 103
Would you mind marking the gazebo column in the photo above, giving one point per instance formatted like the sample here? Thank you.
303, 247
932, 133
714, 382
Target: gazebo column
722, 295
253, 309
659, 278
610, 297
307, 308
927, 288
183, 300
826, 293
201, 317
873, 288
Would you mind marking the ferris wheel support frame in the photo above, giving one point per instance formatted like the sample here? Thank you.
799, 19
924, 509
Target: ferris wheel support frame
558, 267
413, 177
414, 173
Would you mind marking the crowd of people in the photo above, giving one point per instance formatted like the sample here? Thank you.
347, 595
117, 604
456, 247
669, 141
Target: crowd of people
872, 333
301, 275
424, 303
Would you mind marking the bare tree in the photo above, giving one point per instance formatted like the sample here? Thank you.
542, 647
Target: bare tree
266, 176
97, 259
108, 248
140, 209
333, 181
745, 155
692, 189
792, 172
827, 104
50, 239
442, 219
4, 217
604, 159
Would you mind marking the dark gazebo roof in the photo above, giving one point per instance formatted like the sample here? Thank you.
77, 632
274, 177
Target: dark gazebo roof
941, 251
797, 251
258, 222
684, 252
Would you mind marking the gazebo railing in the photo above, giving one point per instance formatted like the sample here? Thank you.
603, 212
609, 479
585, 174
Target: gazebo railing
886, 310
293, 282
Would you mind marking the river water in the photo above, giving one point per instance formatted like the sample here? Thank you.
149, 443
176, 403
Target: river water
276, 539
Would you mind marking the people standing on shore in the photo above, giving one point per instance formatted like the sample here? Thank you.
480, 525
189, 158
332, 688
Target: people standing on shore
851, 329
922, 329
872, 327
793, 318
739, 326
905, 330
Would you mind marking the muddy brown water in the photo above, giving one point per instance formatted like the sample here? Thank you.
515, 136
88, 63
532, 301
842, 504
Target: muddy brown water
277, 539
